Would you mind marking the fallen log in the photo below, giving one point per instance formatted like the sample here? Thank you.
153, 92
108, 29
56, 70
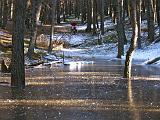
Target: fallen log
153, 61
35, 63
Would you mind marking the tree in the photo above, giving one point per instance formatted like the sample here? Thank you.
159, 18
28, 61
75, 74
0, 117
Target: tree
158, 15
17, 62
120, 28
130, 52
53, 11
151, 19
35, 14
1, 12
102, 16
139, 2
5, 14
89, 15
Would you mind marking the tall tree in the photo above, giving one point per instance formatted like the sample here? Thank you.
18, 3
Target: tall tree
53, 11
94, 3
1, 12
89, 15
158, 14
5, 14
151, 20
139, 2
102, 16
120, 28
18, 68
130, 52
35, 14
83, 11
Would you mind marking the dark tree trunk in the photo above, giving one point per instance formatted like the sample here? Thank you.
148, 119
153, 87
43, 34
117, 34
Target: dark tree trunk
35, 14
89, 15
52, 24
150, 15
130, 52
102, 16
120, 28
18, 68
58, 12
1, 11
5, 14
83, 11
94, 17
158, 14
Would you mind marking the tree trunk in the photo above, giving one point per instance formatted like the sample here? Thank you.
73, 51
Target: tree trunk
58, 12
18, 68
54, 2
150, 15
5, 14
158, 14
102, 16
89, 15
36, 7
130, 52
83, 11
94, 17
139, 23
1, 11
120, 28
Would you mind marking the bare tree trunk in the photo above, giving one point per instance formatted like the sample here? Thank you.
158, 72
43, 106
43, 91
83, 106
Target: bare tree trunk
1, 11
18, 68
158, 14
35, 14
53, 3
94, 16
83, 11
130, 52
120, 28
102, 16
139, 22
58, 12
89, 15
5, 14
150, 13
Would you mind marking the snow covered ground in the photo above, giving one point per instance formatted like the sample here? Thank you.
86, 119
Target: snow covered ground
109, 50
104, 51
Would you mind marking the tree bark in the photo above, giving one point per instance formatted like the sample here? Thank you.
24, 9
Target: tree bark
130, 52
102, 16
120, 28
89, 15
150, 15
1, 11
5, 14
158, 14
139, 3
35, 14
53, 10
17, 62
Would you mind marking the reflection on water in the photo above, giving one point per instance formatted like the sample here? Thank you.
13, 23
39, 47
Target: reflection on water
93, 91
132, 104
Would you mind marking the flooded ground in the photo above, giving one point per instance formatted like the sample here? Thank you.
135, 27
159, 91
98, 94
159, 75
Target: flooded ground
93, 91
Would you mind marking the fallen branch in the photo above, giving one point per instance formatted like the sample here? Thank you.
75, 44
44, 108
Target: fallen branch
35, 63
153, 61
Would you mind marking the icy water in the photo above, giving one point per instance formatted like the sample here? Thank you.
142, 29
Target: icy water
83, 91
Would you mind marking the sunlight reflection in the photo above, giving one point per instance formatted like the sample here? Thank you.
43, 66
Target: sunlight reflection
88, 104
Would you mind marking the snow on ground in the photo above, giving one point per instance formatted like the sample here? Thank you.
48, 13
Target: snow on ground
108, 51
1, 33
